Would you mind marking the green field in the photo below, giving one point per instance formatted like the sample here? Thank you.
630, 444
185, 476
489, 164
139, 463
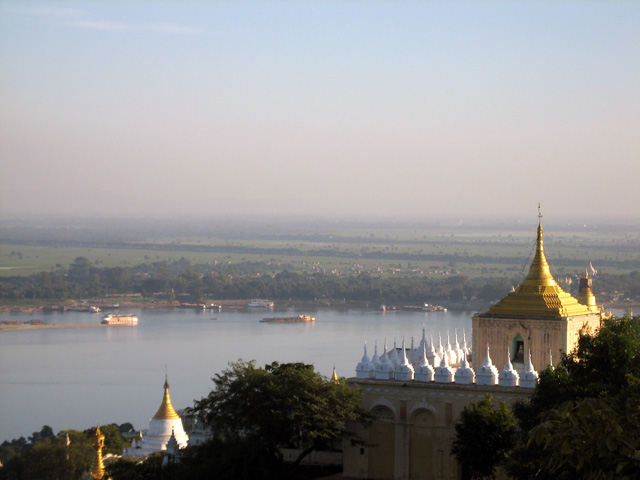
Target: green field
351, 251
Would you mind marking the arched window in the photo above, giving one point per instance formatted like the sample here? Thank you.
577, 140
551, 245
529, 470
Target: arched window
383, 413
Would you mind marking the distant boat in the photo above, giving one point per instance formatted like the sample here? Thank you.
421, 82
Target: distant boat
119, 320
433, 308
298, 319
260, 303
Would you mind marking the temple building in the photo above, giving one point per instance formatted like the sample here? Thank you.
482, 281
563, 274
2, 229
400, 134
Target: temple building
164, 426
416, 395
538, 317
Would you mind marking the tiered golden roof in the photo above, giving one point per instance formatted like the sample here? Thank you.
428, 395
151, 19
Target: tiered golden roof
166, 410
539, 295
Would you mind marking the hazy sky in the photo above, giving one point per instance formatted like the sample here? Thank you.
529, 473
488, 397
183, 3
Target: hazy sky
415, 109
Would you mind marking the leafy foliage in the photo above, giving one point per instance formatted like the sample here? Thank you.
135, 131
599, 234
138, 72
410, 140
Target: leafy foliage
48, 456
484, 437
281, 405
582, 420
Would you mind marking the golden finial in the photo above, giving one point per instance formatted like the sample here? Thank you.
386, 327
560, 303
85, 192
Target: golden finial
539, 214
334, 376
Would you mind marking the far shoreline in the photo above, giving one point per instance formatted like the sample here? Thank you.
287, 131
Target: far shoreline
458, 306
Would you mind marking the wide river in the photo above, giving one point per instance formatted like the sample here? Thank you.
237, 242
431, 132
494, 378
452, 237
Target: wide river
75, 378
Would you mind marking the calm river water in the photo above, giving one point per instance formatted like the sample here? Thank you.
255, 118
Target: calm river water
75, 378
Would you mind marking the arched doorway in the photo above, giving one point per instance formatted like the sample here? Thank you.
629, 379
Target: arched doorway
517, 349
382, 443
421, 461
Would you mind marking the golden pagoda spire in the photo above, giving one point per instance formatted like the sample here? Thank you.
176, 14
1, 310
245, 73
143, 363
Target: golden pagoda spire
166, 410
539, 295
334, 376
97, 467
585, 294
539, 272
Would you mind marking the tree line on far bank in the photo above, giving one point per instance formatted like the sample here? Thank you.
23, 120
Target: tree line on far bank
181, 280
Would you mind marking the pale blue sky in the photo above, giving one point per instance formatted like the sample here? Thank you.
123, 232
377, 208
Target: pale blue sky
410, 109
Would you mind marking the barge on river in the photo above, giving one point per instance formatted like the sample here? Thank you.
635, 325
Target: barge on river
119, 320
298, 319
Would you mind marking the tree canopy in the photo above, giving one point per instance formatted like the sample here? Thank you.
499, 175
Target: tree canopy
583, 418
281, 406
484, 436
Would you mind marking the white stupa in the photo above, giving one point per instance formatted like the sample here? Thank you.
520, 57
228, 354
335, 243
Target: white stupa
365, 369
509, 377
432, 354
395, 358
529, 377
451, 354
444, 373
424, 371
459, 353
404, 371
423, 340
464, 373
487, 373
384, 369
162, 426
465, 348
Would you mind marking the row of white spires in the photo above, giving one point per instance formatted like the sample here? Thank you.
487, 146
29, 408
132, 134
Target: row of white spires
428, 363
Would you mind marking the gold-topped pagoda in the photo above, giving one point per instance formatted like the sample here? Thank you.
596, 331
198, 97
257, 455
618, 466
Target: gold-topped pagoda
165, 423
538, 317
166, 410
539, 295
585, 295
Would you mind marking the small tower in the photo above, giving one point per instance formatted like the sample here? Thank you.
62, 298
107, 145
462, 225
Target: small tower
364, 369
451, 354
444, 373
585, 294
508, 377
375, 360
384, 370
334, 376
404, 371
529, 377
97, 467
432, 354
424, 371
487, 373
464, 373
172, 452
395, 358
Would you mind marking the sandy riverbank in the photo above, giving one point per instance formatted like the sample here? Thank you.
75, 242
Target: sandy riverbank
6, 328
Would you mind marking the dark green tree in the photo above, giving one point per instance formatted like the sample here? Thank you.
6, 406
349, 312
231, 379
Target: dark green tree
279, 406
484, 438
582, 419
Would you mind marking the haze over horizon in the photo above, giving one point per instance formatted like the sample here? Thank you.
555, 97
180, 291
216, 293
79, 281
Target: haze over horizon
335, 109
